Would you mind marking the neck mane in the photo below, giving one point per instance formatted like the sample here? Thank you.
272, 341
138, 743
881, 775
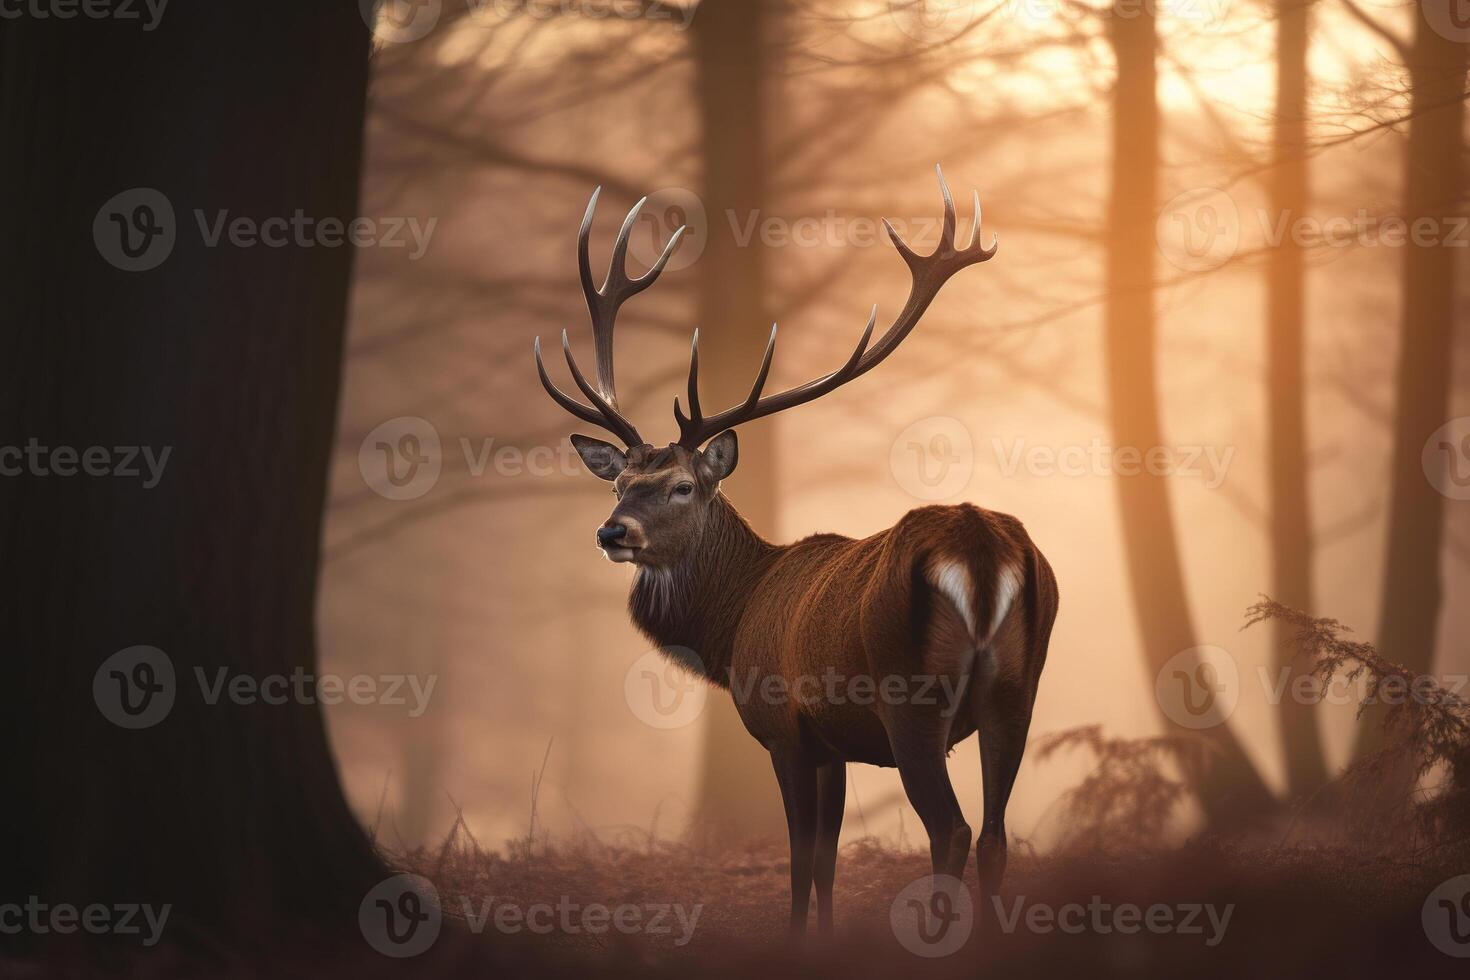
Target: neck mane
696, 604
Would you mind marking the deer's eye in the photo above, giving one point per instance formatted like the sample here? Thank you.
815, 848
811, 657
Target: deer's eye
684, 489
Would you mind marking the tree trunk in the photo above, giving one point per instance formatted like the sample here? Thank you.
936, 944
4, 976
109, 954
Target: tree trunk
738, 797
1412, 588
1291, 516
226, 357
1229, 787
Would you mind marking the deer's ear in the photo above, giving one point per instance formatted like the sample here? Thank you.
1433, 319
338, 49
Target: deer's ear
721, 455
602, 458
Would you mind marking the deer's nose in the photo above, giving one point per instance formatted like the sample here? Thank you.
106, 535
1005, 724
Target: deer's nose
609, 533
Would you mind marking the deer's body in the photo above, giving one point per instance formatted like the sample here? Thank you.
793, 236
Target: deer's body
887, 650
805, 634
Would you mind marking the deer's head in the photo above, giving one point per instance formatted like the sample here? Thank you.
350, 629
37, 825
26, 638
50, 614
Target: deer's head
665, 495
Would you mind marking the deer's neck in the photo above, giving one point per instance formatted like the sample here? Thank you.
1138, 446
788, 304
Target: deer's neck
691, 609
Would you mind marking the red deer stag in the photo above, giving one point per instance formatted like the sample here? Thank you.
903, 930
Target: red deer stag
952, 599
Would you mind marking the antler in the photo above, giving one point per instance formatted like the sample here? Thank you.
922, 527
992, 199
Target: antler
929, 273
603, 306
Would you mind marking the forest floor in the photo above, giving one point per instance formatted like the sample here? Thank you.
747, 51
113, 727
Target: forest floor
660, 909
1203, 910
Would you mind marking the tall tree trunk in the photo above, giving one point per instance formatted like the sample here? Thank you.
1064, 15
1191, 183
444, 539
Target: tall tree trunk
1433, 175
1291, 516
738, 795
1229, 786
226, 357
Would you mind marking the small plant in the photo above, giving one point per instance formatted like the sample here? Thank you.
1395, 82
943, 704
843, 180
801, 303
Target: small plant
1391, 792
1126, 801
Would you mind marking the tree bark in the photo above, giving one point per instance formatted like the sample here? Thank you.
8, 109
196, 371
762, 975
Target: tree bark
1229, 788
1433, 175
1291, 515
738, 797
227, 357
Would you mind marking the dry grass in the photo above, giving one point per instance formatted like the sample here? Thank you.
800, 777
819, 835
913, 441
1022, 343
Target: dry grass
1297, 911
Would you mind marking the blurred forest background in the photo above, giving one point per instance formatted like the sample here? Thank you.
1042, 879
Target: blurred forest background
1137, 163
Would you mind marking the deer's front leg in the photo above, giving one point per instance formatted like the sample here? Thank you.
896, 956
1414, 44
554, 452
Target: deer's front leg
798, 779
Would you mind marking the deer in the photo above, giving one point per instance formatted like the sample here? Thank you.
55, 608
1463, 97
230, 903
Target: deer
953, 596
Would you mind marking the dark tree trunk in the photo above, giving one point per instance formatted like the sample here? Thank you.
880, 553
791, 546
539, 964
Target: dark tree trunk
1433, 184
229, 357
738, 796
1229, 787
1291, 515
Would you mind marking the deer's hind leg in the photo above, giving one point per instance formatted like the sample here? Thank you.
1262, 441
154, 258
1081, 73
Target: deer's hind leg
920, 757
1002, 694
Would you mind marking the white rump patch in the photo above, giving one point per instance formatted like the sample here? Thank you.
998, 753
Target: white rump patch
951, 578
1007, 586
